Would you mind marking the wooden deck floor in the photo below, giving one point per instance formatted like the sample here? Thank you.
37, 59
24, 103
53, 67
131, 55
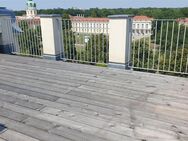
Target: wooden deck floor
43, 100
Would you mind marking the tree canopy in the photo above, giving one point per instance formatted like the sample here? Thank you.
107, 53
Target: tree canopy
159, 13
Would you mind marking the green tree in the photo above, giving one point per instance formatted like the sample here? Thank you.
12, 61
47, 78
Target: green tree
30, 40
69, 40
97, 48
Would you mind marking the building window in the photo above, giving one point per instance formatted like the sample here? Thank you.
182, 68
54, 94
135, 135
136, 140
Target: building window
142, 26
133, 25
138, 26
146, 26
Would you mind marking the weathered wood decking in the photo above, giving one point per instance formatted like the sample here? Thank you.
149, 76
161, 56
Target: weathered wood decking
43, 100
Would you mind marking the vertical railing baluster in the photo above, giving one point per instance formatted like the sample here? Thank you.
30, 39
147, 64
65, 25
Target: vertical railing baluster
95, 45
103, 36
65, 38
154, 50
29, 37
177, 47
166, 41
69, 39
186, 68
171, 46
91, 42
87, 49
183, 47
40, 37
144, 46
133, 52
149, 49
99, 47
107, 43
80, 36
73, 41
36, 32
159, 58
20, 38
138, 65
77, 39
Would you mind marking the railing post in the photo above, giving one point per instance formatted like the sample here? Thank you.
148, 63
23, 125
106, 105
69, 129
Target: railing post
52, 39
120, 38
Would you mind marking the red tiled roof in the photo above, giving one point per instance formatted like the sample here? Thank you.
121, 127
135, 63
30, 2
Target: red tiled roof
185, 20
30, 21
142, 18
89, 19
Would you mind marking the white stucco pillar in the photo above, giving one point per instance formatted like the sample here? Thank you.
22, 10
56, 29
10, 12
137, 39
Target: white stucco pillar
52, 39
120, 38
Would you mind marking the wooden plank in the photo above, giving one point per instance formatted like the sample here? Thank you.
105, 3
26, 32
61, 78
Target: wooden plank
123, 85
107, 84
61, 106
93, 122
12, 115
11, 135
48, 70
23, 103
27, 92
38, 86
40, 124
150, 122
100, 132
77, 135
151, 109
69, 121
2, 139
126, 78
31, 131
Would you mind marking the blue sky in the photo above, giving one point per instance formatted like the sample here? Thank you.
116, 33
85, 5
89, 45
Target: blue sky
43, 4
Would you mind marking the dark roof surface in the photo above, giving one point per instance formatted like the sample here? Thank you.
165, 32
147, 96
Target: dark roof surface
4, 11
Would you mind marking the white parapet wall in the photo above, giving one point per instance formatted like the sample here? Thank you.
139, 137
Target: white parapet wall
51, 26
120, 38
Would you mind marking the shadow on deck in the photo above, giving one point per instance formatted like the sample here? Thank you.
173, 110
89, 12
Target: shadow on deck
2, 128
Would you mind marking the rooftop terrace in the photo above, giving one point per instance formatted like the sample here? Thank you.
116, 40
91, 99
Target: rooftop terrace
43, 100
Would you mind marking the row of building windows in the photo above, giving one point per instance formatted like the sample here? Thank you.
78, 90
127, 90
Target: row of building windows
89, 30
146, 26
31, 12
94, 25
142, 32
100, 25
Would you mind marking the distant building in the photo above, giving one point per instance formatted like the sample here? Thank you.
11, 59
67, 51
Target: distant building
183, 21
31, 11
81, 24
142, 25
31, 17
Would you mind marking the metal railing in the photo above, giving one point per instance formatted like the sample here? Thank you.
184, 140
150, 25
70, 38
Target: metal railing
164, 50
24, 36
85, 41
